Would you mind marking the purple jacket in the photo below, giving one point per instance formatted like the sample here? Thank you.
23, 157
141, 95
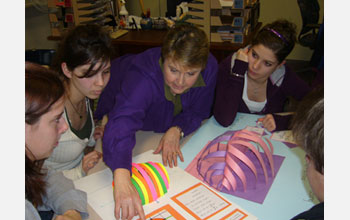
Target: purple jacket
135, 100
229, 90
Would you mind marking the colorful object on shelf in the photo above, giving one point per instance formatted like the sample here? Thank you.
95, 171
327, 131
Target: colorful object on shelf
223, 159
150, 179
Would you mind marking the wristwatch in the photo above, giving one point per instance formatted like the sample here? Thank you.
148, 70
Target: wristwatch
181, 132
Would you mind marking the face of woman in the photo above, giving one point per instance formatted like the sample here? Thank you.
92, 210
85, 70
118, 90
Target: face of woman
93, 86
179, 77
262, 62
43, 136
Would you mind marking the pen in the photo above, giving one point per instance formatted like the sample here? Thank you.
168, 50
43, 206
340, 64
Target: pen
159, 218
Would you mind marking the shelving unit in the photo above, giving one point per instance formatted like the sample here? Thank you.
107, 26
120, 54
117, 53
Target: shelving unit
223, 20
67, 13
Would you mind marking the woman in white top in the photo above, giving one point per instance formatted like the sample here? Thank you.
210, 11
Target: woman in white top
83, 62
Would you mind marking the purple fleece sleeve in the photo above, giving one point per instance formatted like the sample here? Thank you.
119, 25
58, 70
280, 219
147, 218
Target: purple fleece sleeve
229, 89
125, 119
107, 98
282, 122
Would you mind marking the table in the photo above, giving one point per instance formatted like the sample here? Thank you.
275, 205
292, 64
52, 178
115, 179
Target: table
145, 141
288, 195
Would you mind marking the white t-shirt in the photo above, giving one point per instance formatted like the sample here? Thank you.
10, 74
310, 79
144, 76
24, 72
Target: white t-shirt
252, 105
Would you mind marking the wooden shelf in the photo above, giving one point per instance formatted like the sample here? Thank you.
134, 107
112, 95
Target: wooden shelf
137, 41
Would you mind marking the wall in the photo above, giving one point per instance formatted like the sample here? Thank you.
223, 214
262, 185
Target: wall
37, 28
155, 6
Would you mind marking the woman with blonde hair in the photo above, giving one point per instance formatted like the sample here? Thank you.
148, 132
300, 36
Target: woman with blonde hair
168, 89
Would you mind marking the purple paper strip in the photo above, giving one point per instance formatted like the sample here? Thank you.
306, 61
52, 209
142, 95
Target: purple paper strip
290, 145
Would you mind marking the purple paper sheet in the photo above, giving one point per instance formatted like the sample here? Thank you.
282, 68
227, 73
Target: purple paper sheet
290, 145
256, 191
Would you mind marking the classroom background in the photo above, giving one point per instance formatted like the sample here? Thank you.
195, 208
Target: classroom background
37, 26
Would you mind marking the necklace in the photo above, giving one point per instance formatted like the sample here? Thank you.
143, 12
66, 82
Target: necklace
257, 89
80, 116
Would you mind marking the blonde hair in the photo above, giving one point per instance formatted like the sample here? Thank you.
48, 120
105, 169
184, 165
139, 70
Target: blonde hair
186, 44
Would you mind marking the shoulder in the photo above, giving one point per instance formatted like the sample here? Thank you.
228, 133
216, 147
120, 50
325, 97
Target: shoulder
292, 80
148, 57
315, 213
212, 60
141, 59
226, 63
145, 70
211, 69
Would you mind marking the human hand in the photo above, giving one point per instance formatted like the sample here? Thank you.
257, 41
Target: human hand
98, 133
242, 54
268, 122
69, 215
90, 160
126, 196
170, 147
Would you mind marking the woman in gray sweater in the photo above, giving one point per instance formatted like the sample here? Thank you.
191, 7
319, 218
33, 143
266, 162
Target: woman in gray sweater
44, 124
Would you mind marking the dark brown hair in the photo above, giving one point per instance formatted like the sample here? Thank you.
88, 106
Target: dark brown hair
42, 89
308, 127
279, 36
187, 44
81, 45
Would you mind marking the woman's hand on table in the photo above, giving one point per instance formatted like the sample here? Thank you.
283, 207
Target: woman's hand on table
69, 215
90, 160
126, 196
268, 122
170, 147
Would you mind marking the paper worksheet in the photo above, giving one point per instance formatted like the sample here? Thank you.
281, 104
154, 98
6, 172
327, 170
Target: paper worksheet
284, 136
187, 197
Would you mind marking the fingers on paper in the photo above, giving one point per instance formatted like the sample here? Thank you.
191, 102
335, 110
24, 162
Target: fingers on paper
117, 207
128, 207
159, 148
181, 156
140, 211
269, 122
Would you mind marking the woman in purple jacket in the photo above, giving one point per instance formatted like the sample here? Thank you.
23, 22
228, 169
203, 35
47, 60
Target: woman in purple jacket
256, 79
168, 89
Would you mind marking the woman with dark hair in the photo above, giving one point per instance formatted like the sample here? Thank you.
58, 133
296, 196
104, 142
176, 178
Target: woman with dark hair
256, 79
44, 124
83, 63
168, 89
